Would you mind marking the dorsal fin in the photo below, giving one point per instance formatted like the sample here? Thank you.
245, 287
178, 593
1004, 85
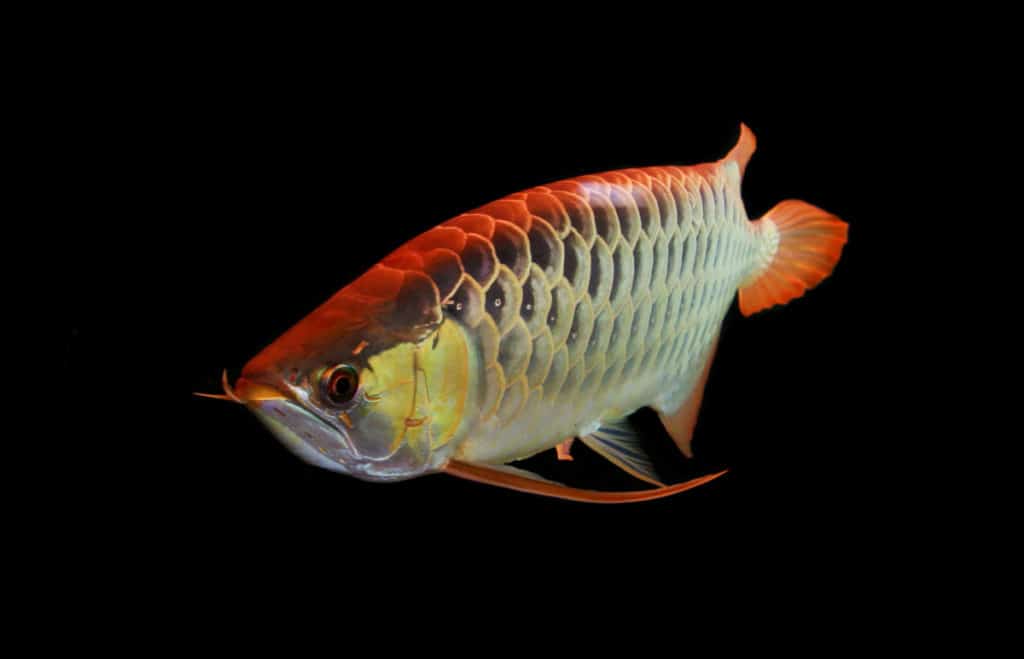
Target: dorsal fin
744, 149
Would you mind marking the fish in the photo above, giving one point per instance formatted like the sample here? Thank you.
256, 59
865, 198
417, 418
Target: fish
546, 316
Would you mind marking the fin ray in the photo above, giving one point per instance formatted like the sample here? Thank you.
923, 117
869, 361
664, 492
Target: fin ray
809, 243
618, 443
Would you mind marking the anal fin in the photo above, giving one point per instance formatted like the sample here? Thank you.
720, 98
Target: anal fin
618, 443
681, 422
524, 481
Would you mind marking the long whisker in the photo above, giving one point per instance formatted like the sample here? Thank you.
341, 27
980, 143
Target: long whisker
214, 396
228, 394
227, 388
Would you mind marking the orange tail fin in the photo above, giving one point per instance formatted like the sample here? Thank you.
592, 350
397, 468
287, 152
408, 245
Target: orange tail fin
807, 242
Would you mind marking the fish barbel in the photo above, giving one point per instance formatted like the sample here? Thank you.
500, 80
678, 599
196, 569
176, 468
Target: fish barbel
547, 315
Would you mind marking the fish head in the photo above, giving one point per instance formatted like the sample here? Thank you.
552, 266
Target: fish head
375, 383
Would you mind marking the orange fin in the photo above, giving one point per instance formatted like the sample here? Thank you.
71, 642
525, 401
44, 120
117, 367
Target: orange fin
524, 481
563, 449
744, 149
802, 245
680, 424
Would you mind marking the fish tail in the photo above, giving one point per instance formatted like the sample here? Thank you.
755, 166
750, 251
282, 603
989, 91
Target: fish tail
799, 245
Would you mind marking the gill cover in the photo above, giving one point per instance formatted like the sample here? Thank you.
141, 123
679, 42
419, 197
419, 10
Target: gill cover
415, 401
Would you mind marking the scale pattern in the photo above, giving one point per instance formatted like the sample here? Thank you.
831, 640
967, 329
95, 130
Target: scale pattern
594, 293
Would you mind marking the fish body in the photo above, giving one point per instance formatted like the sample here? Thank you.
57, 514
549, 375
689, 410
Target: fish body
634, 273
549, 314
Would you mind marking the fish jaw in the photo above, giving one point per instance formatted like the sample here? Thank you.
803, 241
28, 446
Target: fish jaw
304, 434
315, 439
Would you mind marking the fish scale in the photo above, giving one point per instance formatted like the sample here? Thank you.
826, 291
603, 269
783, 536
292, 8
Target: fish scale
652, 255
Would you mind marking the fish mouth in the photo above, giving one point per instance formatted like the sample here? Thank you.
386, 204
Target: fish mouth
316, 438
306, 434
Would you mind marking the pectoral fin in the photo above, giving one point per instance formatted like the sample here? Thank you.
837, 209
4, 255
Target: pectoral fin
524, 481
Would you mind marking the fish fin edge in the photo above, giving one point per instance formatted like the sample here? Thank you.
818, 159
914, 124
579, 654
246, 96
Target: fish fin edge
524, 481
680, 423
743, 150
809, 243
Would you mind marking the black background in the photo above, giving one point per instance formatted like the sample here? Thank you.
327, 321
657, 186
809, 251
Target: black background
243, 196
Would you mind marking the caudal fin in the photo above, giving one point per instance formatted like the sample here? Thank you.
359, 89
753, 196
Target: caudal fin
809, 242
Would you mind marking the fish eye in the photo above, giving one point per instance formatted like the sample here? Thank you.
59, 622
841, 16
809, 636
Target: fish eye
340, 384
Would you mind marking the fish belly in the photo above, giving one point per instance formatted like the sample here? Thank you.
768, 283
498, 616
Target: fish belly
592, 297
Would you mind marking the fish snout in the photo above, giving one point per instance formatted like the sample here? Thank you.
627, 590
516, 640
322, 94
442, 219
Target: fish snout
250, 391
300, 429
